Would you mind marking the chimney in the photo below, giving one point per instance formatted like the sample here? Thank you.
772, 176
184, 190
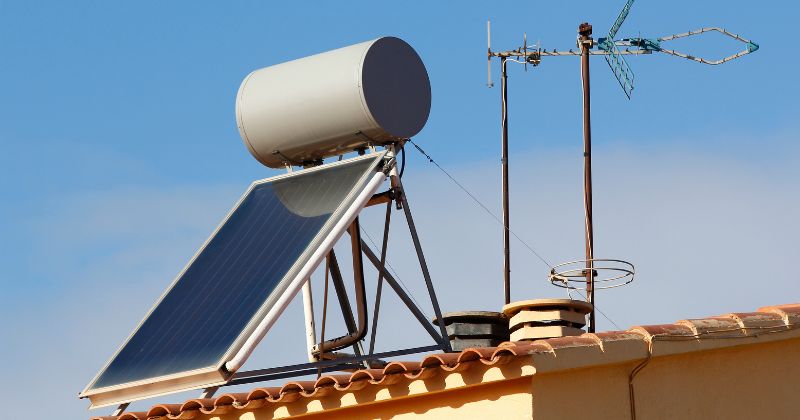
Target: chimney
546, 318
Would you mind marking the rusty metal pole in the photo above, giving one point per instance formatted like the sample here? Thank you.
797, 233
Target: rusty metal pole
504, 163
585, 41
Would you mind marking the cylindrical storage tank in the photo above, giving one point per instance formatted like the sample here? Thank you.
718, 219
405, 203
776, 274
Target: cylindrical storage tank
332, 103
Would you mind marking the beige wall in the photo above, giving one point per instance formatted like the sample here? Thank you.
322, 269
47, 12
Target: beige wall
758, 381
478, 392
502, 400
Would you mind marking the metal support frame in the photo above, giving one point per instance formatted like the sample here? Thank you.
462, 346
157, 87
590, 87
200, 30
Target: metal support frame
343, 363
361, 359
120, 409
390, 280
209, 392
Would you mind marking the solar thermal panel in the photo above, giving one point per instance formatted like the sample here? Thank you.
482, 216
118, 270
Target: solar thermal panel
236, 278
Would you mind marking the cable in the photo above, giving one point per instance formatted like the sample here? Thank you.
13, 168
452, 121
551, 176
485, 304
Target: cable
486, 209
706, 335
396, 276
403, 164
324, 312
595, 307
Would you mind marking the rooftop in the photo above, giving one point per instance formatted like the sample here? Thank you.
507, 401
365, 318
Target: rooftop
771, 323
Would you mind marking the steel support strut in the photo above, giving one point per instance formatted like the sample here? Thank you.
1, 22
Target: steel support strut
379, 287
120, 409
349, 362
392, 282
423, 265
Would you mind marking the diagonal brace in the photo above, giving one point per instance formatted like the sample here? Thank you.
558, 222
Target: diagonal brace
390, 280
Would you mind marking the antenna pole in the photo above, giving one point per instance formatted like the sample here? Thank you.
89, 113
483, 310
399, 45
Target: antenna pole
585, 42
504, 163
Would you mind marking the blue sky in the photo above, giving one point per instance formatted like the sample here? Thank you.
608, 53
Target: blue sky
120, 154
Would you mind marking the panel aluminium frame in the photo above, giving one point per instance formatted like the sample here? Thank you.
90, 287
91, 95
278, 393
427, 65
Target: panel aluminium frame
267, 314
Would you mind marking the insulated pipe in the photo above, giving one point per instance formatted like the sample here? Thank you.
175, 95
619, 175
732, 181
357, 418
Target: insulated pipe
280, 305
308, 312
361, 300
341, 292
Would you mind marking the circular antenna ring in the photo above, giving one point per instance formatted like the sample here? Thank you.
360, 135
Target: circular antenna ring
608, 274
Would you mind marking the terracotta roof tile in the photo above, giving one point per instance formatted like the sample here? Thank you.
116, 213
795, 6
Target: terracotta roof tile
164, 410
138, 415
713, 326
573, 341
233, 399
790, 312
663, 329
553, 353
751, 322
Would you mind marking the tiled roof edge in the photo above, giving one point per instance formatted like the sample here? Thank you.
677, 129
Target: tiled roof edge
769, 323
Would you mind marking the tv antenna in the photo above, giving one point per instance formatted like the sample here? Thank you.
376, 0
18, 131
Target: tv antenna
582, 275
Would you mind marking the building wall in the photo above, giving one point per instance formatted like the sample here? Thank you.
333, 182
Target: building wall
478, 392
754, 381
744, 382
509, 400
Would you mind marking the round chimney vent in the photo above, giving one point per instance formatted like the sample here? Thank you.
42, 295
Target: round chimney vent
546, 318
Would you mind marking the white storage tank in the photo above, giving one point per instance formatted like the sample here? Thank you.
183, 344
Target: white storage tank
332, 103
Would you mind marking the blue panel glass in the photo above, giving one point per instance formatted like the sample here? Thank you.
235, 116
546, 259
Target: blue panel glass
241, 267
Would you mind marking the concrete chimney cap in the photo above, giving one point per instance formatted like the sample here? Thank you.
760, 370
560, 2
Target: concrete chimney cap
546, 304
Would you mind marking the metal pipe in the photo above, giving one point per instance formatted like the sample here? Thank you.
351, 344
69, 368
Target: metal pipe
585, 42
343, 363
341, 292
380, 198
356, 331
504, 163
308, 312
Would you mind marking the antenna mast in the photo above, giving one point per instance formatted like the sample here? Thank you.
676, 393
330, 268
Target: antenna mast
503, 160
582, 275
585, 43
506, 213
